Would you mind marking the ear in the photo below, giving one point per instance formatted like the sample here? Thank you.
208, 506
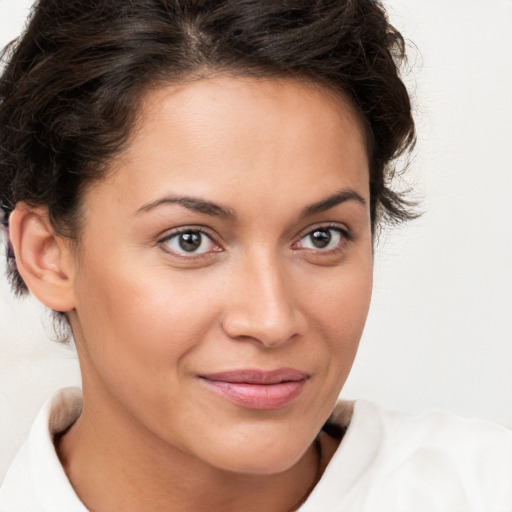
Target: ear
44, 259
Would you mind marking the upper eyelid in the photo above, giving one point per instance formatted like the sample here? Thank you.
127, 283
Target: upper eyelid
217, 239
346, 235
342, 228
169, 233
162, 242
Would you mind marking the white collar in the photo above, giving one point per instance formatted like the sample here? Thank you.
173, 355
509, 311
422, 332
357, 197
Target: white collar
36, 479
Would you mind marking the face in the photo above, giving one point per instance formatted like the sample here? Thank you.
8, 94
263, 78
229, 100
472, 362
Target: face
224, 270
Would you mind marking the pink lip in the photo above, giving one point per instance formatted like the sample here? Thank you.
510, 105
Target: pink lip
257, 389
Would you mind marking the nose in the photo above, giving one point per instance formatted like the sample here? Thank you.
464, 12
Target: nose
263, 306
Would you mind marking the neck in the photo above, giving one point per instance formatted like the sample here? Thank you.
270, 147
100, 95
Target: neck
114, 463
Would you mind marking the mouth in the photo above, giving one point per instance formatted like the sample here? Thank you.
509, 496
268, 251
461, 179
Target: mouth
257, 389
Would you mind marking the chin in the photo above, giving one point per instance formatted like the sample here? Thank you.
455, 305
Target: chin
262, 465
269, 455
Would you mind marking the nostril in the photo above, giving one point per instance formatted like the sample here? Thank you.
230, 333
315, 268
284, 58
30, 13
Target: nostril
247, 326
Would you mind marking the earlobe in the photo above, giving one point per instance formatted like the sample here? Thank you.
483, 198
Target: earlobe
43, 258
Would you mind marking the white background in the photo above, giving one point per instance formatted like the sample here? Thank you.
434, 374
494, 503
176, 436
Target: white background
439, 333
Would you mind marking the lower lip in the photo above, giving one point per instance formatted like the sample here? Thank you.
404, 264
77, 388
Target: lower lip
257, 396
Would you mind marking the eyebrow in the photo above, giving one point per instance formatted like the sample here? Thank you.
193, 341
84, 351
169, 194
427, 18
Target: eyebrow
330, 202
191, 203
215, 210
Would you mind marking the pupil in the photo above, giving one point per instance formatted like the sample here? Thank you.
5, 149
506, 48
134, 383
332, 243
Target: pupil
190, 241
321, 238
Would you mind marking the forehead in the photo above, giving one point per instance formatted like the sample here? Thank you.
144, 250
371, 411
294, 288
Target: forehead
242, 138
227, 102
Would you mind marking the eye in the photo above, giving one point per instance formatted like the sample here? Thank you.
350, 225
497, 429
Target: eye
323, 239
189, 242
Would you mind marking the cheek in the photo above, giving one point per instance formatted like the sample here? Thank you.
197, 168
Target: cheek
139, 321
338, 312
342, 300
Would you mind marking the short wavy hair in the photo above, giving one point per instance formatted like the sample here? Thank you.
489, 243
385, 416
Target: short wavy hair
72, 84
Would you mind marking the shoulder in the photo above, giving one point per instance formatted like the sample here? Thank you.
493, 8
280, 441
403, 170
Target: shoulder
389, 460
36, 479
438, 437
435, 429
459, 463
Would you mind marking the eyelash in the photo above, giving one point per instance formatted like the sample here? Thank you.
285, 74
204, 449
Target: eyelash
189, 230
345, 237
344, 234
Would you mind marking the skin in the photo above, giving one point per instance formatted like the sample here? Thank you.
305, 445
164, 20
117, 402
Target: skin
150, 318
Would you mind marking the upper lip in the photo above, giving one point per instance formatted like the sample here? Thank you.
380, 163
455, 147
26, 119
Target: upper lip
256, 376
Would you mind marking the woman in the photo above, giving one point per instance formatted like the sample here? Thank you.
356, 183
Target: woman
195, 188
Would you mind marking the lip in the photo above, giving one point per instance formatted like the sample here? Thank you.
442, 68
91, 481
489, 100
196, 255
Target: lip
257, 389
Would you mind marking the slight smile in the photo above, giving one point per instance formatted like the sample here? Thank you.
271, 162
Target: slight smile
258, 389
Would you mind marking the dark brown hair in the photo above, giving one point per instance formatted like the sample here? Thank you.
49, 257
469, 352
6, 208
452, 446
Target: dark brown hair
72, 83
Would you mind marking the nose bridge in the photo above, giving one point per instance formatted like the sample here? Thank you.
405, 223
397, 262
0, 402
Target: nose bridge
263, 307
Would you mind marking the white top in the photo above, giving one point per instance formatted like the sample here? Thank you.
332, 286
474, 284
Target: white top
36, 481
387, 462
